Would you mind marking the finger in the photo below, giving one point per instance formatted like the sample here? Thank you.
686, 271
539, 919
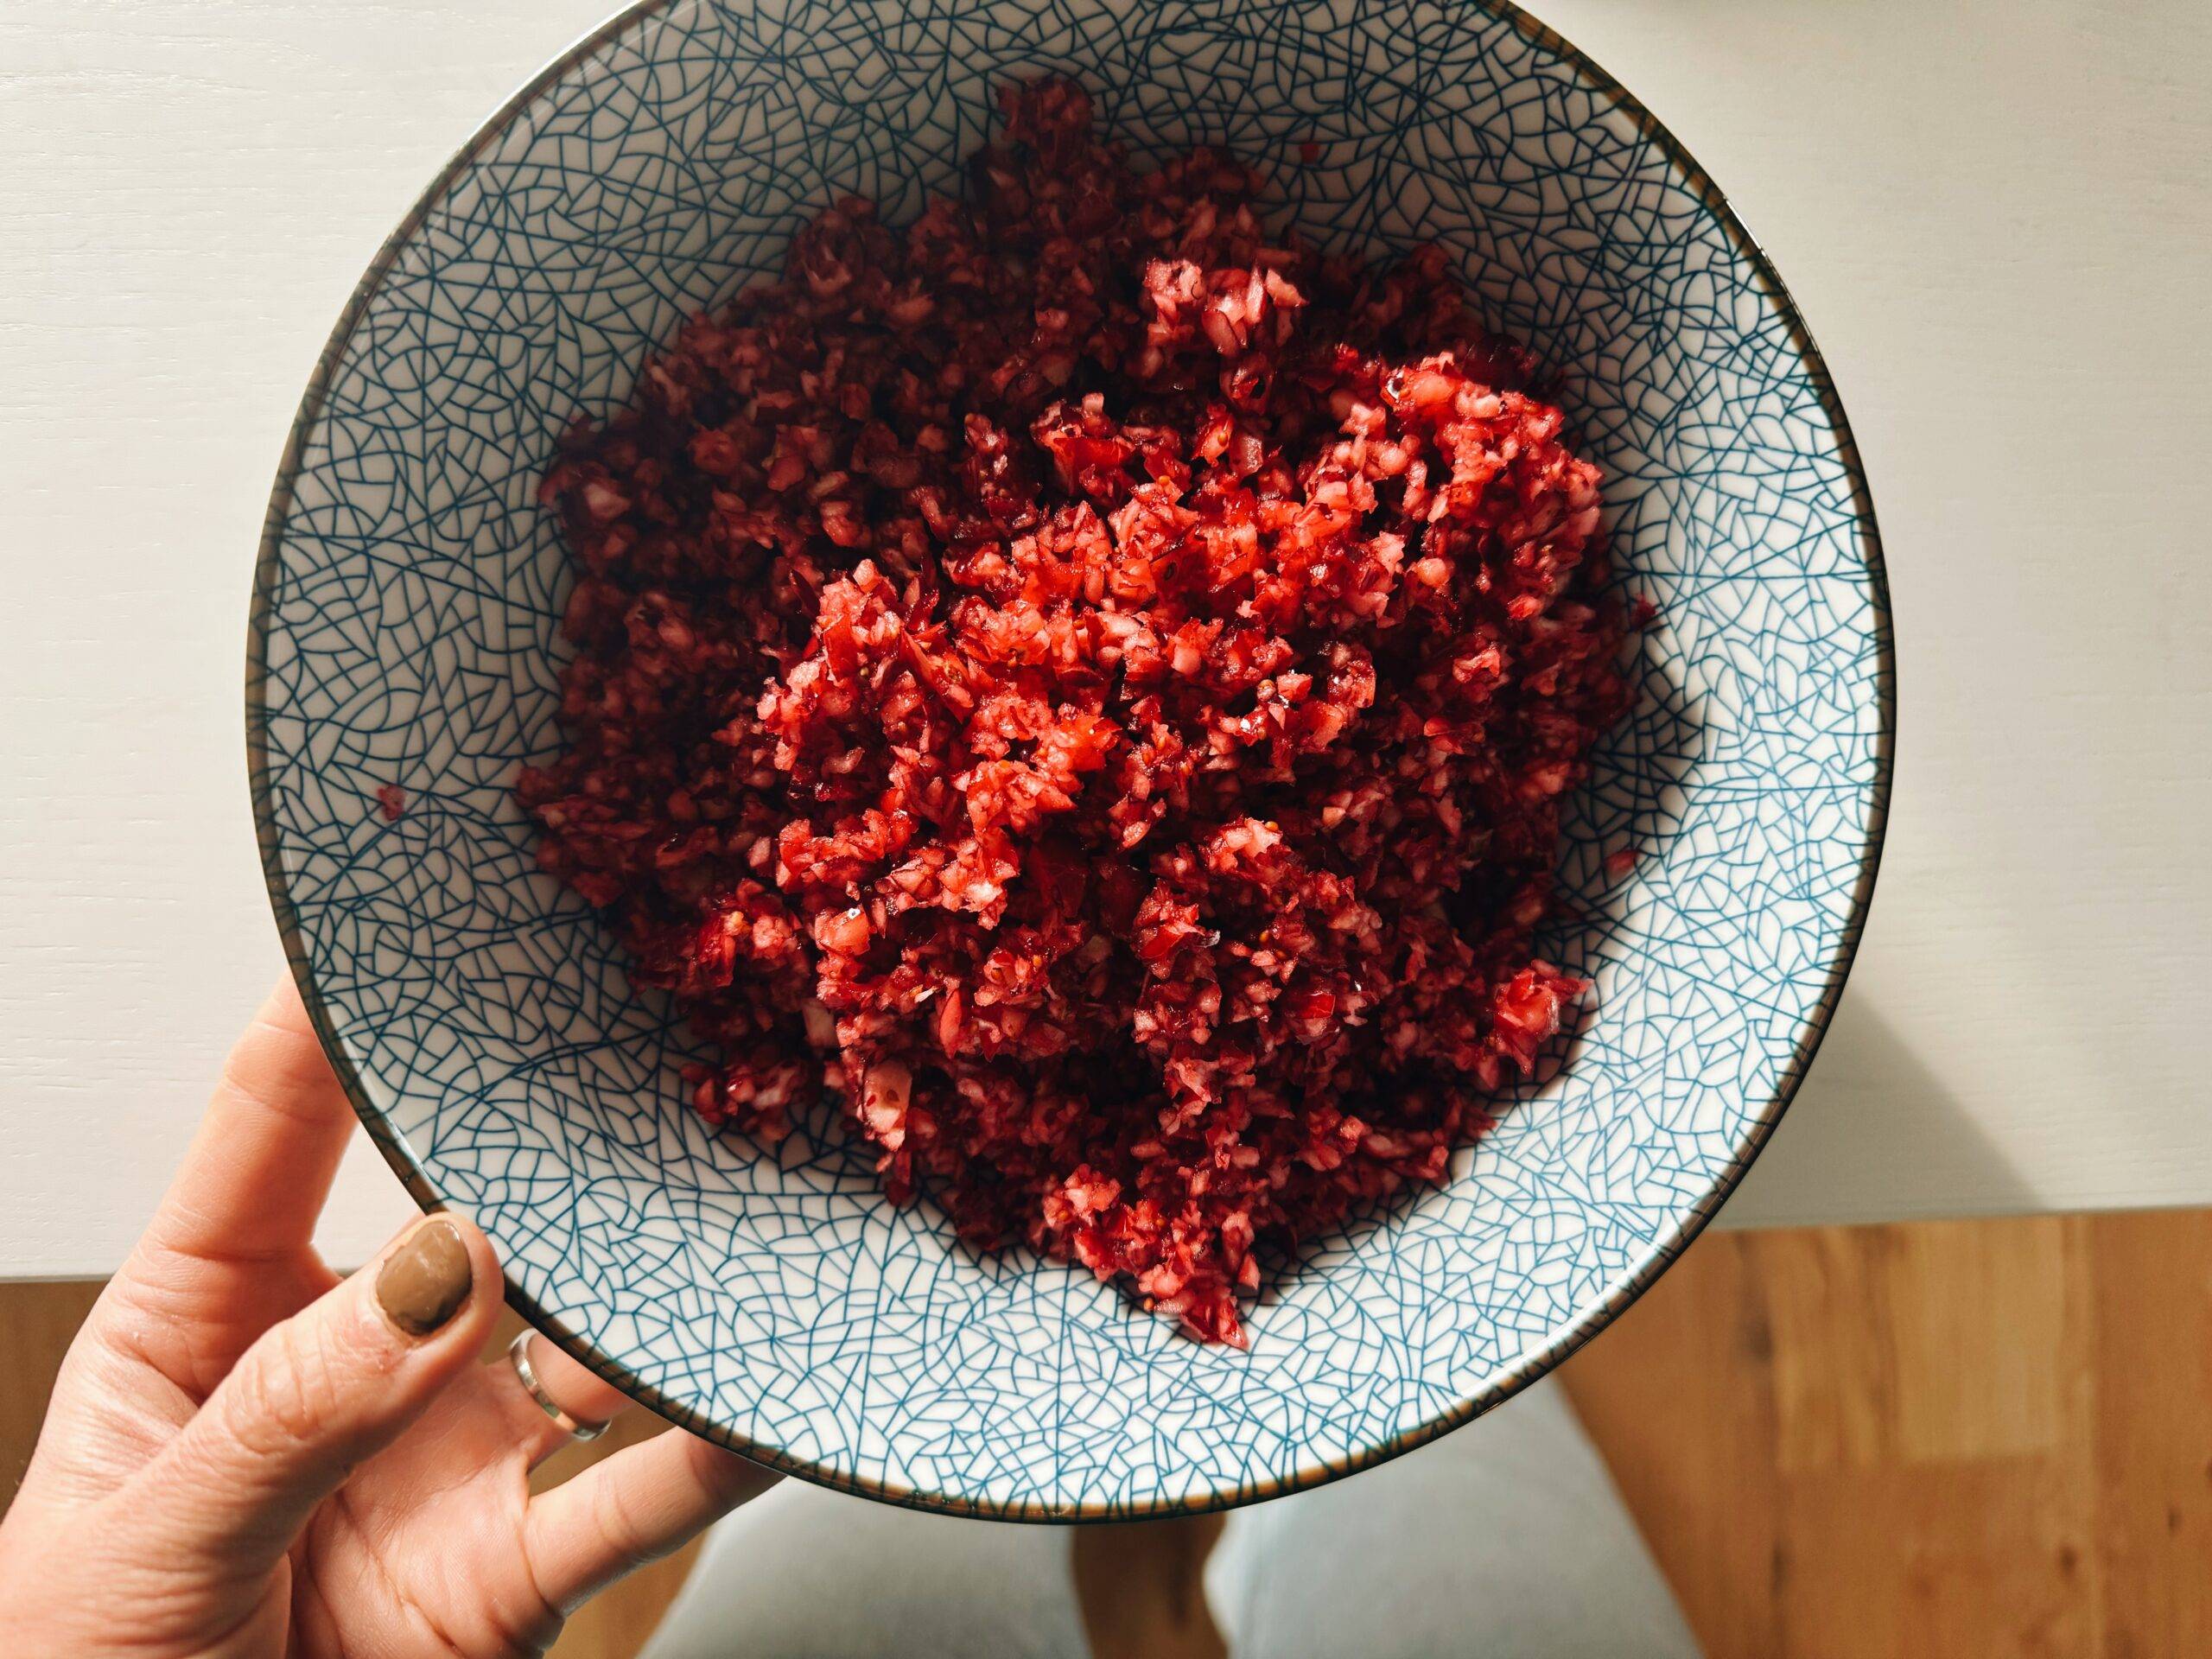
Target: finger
639, 1505
318, 1394
260, 1167
573, 1387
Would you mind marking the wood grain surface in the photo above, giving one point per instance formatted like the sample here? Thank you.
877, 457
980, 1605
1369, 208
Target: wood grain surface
1964, 1439
1961, 1439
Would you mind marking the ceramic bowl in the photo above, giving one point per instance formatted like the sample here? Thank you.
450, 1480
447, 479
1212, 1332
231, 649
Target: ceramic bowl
403, 638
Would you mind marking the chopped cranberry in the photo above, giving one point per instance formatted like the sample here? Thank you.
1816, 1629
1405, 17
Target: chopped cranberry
1095, 682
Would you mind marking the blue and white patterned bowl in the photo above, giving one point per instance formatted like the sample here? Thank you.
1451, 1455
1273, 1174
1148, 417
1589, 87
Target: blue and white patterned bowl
403, 635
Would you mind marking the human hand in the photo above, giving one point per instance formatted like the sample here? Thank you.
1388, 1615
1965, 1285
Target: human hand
245, 1456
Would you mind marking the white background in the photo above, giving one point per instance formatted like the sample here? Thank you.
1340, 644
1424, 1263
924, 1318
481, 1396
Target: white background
1997, 217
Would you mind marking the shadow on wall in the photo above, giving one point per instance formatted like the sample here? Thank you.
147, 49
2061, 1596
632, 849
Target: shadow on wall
1868, 1097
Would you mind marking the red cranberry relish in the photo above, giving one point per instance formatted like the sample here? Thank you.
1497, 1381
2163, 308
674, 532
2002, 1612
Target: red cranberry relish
1094, 681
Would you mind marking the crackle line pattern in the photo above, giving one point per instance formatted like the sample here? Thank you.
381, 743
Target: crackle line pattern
405, 637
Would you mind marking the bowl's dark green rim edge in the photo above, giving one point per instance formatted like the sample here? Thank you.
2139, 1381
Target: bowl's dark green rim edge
1530, 1366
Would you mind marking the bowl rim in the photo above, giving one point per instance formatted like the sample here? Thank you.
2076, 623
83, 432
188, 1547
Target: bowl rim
1622, 1292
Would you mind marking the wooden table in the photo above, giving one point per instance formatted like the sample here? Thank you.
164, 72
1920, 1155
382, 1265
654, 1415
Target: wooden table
1997, 215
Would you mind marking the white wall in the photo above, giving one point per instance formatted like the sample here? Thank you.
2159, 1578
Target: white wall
1999, 221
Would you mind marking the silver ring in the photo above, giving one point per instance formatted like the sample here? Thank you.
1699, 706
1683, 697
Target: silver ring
519, 1357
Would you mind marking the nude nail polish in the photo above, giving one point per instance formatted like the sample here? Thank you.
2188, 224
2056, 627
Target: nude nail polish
423, 1283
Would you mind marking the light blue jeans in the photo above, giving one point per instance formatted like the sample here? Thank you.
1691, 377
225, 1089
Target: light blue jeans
1503, 1541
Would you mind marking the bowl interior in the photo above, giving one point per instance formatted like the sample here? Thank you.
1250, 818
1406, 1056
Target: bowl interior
405, 635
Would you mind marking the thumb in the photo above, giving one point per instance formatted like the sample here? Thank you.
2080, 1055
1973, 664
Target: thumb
318, 1394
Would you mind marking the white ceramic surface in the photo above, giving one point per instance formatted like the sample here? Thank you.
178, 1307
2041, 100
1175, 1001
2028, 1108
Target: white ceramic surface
406, 634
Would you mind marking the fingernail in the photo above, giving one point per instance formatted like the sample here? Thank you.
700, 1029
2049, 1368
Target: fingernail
425, 1281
